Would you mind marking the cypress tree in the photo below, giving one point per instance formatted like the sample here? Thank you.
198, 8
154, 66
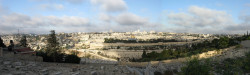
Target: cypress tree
24, 41
52, 49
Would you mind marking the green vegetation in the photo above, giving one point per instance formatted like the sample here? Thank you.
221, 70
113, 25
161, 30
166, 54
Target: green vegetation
144, 55
157, 73
53, 49
112, 40
216, 44
234, 66
197, 67
230, 66
53, 52
72, 59
23, 41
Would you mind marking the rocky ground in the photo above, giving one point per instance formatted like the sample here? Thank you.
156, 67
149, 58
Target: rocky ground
15, 66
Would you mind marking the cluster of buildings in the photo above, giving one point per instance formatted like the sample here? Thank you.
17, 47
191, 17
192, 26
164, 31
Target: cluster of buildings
96, 40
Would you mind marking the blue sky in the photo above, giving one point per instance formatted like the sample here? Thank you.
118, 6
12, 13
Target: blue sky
192, 16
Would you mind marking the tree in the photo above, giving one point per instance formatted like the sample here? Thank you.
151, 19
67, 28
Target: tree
23, 41
53, 52
223, 42
52, 49
12, 43
1, 43
215, 43
157, 73
152, 55
118, 47
144, 55
11, 46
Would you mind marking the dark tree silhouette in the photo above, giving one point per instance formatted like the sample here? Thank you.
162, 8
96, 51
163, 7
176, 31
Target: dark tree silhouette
24, 41
52, 49
1, 43
144, 54
11, 46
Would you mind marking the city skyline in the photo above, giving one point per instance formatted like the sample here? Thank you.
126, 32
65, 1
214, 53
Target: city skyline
185, 16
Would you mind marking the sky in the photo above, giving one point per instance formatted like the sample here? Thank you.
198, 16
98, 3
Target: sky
179, 16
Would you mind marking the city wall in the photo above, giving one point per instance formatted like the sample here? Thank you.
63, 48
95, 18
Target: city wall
145, 44
126, 45
136, 54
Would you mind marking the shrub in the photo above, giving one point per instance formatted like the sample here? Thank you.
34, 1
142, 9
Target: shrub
196, 67
72, 59
157, 73
230, 67
59, 58
168, 72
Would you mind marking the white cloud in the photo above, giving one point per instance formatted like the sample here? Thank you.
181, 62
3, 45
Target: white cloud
51, 7
54, 1
76, 1
13, 21
241, 27
105, 17
245, 18
182, 19
124, 22
198, 16
66, 20
200, 20
130, 19
111, 5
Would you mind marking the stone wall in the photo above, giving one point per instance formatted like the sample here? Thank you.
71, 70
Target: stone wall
29, 57
125, 54
96, 61
126, 45
145, 44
